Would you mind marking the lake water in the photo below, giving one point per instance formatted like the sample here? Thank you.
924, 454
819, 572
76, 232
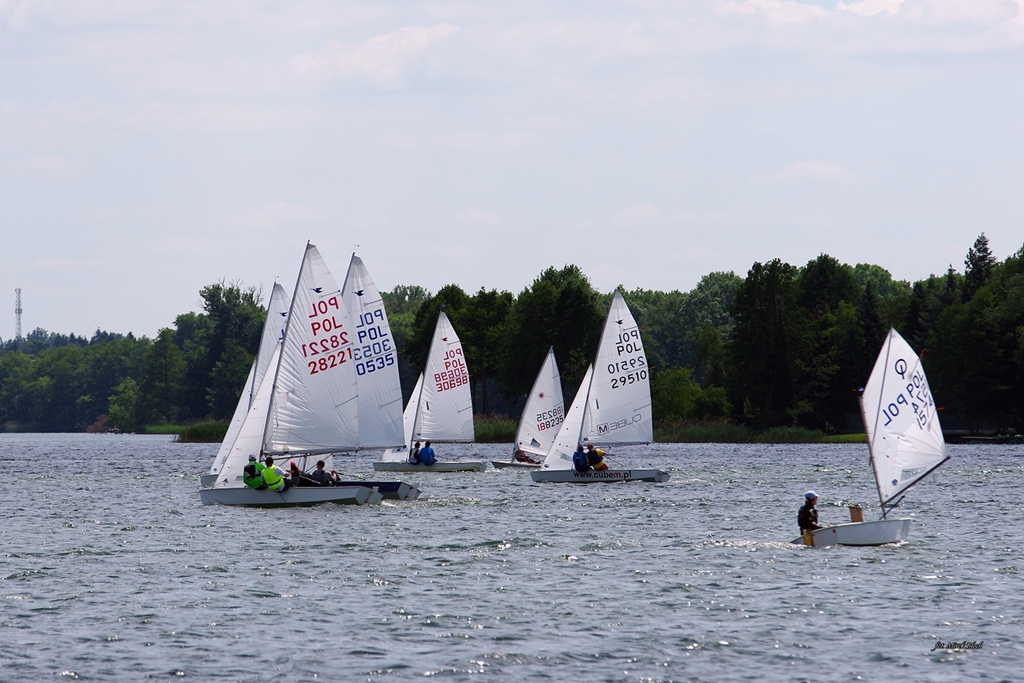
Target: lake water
112, 570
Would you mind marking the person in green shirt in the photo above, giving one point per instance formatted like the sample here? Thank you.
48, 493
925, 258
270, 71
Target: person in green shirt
252, 474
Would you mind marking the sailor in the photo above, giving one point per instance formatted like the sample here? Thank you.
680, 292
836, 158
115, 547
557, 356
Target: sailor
808, 516
521, 456
322, 476
579, 459
595, 458
427, 455
274, 477
414, 454
299, 477
252, 474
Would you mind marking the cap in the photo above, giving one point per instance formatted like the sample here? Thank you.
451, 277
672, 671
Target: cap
252, 458
810, 494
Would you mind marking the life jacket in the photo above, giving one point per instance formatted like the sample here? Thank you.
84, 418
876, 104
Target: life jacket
251, 478
579, 461
272, 478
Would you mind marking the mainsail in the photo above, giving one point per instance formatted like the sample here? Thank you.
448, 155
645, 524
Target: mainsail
619, 407
559, 456
900, 419
314, 406
408, 420
376, 361
273, 332
445, 411
544, 410
249, 438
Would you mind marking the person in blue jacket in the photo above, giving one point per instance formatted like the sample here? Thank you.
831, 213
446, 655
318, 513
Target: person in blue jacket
579, 460
427, 455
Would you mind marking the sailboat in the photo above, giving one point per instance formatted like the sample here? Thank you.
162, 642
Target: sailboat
376, 366
905, 443
542, 416
273, 332
612, 406
307, 403
440, 409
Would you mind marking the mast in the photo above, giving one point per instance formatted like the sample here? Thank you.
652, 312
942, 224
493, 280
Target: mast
284, 335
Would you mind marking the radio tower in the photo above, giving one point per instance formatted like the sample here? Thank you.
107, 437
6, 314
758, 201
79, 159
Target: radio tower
17, 313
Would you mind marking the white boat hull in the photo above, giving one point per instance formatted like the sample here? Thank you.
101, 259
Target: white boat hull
506, 465
598, 477
878, 532
207, 480
468, 466
391, 490
293, 497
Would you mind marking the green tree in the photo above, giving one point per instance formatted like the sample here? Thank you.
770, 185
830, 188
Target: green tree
770, 336
978, 266
163, 379
124, 406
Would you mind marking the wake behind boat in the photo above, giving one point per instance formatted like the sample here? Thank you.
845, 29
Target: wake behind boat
905, 443
440, 409
542, 416
612, 406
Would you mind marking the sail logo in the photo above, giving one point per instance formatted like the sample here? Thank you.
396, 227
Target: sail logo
609, 427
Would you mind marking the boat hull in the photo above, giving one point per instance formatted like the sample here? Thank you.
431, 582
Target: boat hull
468, 466
391, 490
506, 465
293, 497
207, 480
598, 477
878, 532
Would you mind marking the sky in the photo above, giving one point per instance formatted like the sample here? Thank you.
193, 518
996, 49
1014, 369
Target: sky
149, 148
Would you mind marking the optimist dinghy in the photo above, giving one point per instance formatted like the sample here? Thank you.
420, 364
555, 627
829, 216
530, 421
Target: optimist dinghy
440, 409
905, 443
542, 416
612, 406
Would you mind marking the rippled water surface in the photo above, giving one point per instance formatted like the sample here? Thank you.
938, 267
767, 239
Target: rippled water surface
112, 570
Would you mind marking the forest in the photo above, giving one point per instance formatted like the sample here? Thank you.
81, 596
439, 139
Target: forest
784, 346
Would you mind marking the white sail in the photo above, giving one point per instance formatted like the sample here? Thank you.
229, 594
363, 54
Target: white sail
249, 439
446, 403
315, 406
619, 406
559, 456
900, 420
376, 361
408, 420
544, 412
273, 332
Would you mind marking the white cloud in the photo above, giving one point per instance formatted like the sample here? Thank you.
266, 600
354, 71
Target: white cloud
61, 263
276, 215
46, 162
777, 11
869, 8
642, 214
446, 248
814, 169
384, 60
477, 217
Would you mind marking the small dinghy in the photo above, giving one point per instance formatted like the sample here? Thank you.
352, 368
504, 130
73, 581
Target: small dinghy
612, 407
542, 417
306, 405
440, 409
904, 440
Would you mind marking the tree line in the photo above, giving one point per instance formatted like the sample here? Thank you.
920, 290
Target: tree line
784, 346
